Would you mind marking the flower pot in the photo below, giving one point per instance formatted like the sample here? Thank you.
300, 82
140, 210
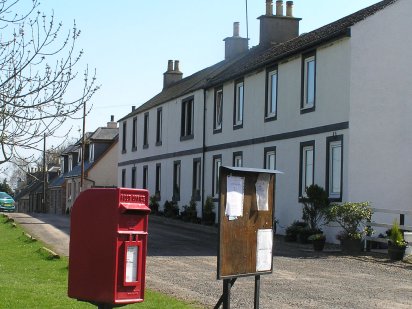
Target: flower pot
396, 253
318, 244
349, 245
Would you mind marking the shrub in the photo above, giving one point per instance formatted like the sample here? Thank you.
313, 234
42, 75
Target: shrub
171, 209
396, 236
293, 230
352, 217
154, 204
315, 205
209, 216
189, 213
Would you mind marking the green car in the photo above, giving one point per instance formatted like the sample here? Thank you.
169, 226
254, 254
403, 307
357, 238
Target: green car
6, 202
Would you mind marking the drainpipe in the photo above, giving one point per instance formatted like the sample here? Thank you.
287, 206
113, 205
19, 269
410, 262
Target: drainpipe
203, 150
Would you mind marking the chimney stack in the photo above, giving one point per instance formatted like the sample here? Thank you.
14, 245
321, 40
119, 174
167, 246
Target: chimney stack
269, 8
235, 45
112, 124
279, 28
279, 8
173, 74
289, 8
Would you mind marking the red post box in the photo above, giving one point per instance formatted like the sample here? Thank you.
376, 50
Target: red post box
108, 242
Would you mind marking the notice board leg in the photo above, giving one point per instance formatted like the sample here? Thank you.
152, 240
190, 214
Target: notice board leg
257, 291
225, 298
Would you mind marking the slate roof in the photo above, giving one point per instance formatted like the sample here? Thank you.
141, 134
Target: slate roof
188, 84
57, 182
260, 56
104, 134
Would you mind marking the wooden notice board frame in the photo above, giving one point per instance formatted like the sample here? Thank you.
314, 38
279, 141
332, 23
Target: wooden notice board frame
238, 237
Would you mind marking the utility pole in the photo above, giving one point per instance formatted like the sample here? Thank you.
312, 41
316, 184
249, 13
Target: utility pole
44, 174
83, 146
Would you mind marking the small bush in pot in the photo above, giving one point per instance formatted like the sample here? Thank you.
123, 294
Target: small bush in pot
396, 243
352, 217
318, 240
292, 230
209, 216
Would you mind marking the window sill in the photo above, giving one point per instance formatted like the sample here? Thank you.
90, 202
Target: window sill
217, 131
305, 110
159, 143
186, 137
238, 126
271, 118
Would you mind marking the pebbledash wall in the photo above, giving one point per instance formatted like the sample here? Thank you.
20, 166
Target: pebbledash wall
362, 105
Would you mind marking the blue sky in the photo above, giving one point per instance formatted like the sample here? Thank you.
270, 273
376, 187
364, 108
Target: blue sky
130, 41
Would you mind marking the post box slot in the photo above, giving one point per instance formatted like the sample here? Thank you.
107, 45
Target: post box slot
133, 208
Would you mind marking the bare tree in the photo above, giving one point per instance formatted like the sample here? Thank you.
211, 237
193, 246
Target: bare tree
37, 72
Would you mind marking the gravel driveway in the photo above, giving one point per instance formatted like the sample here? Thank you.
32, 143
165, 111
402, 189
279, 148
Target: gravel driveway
182, 262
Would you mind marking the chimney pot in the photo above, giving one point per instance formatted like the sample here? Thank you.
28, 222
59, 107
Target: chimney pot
279, 8
236, 29
133, 108
170, 66
112, 118
176, 69
289, 8
269, 7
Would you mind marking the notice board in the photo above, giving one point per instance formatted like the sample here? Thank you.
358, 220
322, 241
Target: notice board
246, 218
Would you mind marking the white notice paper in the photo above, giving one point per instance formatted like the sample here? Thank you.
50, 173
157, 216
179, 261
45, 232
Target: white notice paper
131, 264
234, 196
264, 249
262, 192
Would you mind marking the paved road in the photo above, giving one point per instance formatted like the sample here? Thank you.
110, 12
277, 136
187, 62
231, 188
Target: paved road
182, 262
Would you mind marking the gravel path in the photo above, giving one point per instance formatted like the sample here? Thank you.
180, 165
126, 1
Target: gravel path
182, 262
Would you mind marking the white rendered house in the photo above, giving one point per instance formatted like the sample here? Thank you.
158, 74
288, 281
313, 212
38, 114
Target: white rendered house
329, 107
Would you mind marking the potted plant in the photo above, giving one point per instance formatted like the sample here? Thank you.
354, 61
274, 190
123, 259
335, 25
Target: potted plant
154, 204
352, 217
209, 216
396, 243
292, 230
315, 205
189, 213
318, 241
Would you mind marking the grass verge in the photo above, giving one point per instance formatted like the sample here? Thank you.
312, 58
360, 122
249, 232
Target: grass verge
30, 279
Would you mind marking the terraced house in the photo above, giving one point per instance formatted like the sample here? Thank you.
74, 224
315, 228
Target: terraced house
331, 107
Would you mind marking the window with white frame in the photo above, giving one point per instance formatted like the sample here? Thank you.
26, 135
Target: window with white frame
307, 166
145, 176
217, 163
237, 159
91, 152
146, 130
272, 93
197, 174
159, 124
133, 182
176, 180
158, 180
334, 167
218, 109
134, 134
70, 162
239, 104
69, 191
270, 158
123, 178
79, 156
309, 82
124, 130
186, 131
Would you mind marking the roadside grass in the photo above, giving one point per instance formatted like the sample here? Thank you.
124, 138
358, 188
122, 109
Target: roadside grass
32, 279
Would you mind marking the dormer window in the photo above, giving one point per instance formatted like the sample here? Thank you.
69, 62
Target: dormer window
70, 162
79, 157
91, 152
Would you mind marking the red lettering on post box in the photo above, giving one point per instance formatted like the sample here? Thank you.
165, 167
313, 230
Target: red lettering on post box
108, 243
